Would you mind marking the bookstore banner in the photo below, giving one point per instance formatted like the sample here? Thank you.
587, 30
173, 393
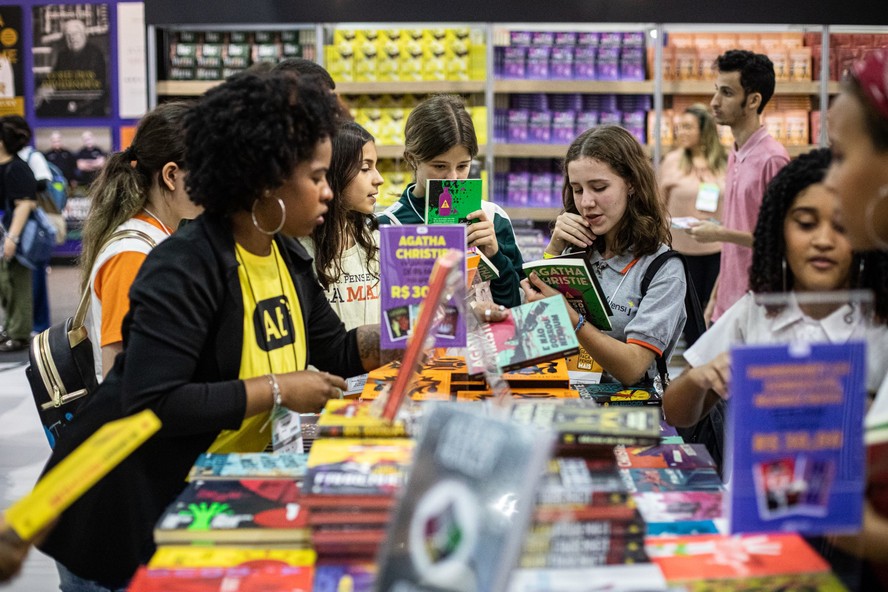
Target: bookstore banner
12, 90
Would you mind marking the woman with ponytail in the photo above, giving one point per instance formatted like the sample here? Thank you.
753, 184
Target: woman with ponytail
140, 189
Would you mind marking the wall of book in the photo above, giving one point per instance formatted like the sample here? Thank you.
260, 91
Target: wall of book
531, 88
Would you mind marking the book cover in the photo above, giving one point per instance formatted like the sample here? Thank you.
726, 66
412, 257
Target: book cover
534, 332
225, 579
358, 467
356, 419
197, 556
614, 393
582, 425
408, 254
588, 553
643, 480
641, 577
551, 374
794, 425
664, 456
428, 385
449, 201
467, 503
345, 577
252, 465
236, 511
801, 582
571, 275
82, 469
522, 394
680, 506
685, 527
486, 269
735, 556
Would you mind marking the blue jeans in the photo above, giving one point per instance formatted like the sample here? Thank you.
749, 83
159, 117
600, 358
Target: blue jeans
68, 582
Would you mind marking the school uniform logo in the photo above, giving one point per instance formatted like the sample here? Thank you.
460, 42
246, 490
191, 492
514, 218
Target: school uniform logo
273, 324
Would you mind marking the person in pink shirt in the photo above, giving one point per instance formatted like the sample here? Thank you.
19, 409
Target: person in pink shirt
744, 85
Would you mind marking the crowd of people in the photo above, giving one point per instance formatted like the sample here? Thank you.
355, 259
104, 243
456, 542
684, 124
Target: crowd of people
282, 230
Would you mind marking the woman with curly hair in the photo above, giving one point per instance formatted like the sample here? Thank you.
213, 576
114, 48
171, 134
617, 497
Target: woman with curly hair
799, 246
613, 211
140, 189
345, 248
225, 316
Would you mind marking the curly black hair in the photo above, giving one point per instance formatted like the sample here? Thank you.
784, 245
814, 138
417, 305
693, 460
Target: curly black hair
756, 72
868, 270
247, 135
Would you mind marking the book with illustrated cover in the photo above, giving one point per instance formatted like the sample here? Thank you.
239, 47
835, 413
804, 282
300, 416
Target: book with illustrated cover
408, 254
81, 469
252, 465
571, 481
428, 385
795, 431
522, 394
614, 393
345, 577
244, 511
465, 508
640, 577
680, 506
533, 333
246, 578
734, 556
357, 467
643, 480
356, 419
686, 527
664, 456
550, 374
584, 425
572, 276
197, 556
449, 201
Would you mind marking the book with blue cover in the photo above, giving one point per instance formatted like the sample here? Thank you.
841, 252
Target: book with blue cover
795, 426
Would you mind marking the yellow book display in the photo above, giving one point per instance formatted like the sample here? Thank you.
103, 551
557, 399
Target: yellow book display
82, 469
198, 556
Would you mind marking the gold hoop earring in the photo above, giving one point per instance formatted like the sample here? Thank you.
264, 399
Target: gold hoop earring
783, 266
279, 226
870, 227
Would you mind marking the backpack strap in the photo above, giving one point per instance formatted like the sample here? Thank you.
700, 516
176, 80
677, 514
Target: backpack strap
694, 325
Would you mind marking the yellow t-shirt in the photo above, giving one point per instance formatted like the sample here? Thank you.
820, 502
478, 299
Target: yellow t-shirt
274, 338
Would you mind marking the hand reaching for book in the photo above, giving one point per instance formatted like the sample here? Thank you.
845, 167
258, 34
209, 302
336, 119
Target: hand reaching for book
482, 234
536, 289
308, 391
489, 312
570, 229
714, 376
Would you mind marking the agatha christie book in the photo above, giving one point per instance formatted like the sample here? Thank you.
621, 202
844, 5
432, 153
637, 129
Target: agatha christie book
571, 275
449, 201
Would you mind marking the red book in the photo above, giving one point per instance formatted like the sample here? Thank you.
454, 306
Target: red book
267, 578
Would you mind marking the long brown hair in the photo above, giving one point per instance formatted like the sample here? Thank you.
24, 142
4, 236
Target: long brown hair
715, 154
121, 189
330, 238
436, 125
644, 225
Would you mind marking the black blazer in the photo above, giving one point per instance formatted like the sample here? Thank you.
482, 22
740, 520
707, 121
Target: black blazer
182, 348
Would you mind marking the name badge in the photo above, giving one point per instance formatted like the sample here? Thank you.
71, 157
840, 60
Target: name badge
707, 197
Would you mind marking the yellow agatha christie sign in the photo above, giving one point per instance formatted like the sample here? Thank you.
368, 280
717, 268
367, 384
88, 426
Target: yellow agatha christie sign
82, 469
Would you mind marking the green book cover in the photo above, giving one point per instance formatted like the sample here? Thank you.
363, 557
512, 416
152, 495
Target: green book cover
572, 276
449, 201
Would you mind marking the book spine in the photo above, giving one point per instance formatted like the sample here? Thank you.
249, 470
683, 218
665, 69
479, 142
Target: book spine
578, 438
587, 528
557, 355
560, 496
362, 431
607, 402
594, 545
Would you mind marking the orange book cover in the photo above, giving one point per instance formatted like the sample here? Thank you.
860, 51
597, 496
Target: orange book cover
519, 394
698, 557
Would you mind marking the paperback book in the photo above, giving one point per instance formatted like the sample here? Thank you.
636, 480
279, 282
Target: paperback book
198, 556
341, 577
252, 465
246, 578
614, 393
664, 456
586, 552
582, 425
343, 418
522, 394
358, 467
533, 333
572, 276
463, 514
244, 511
449, 201
795, 428
645, 480
641, 577
408, 254
550, 374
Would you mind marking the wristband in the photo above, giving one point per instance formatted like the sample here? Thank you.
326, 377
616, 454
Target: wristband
580, 323
14, 239
275, 389
548, 255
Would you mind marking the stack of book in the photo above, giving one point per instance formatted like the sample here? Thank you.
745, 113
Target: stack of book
584, 517
349, 490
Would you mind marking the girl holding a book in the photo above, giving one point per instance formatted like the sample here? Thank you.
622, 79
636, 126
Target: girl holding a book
345, 247
440, 143
613, 212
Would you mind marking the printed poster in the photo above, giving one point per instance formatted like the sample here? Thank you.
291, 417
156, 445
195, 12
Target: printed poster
408, 253
796, 430
12, 88
71, 60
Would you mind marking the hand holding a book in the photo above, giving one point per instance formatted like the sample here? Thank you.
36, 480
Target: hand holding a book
481, 234
570, 229
536, 289
489, 312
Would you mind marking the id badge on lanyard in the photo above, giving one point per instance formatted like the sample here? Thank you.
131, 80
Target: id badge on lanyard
707, 197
